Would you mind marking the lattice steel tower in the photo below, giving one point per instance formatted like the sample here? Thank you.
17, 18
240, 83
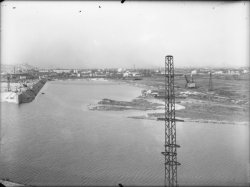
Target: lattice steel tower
8, 80
170, 152
210, 86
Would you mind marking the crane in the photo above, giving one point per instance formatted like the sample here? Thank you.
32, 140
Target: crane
190, 84
8, 80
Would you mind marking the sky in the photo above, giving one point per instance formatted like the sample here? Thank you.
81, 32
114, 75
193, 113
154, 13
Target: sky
108, 34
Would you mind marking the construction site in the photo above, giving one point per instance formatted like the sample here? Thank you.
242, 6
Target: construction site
203, 99
128, 93
174, 98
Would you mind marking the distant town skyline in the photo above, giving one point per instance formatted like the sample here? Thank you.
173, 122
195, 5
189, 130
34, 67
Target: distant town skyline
133, 34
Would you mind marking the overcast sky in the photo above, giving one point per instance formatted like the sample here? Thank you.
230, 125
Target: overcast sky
111, 35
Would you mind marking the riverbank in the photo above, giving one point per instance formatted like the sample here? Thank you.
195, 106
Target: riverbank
197, 105
135, 104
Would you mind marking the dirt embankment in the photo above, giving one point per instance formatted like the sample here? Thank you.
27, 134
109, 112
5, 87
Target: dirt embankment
135, 104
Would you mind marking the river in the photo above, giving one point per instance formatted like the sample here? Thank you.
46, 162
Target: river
56, 140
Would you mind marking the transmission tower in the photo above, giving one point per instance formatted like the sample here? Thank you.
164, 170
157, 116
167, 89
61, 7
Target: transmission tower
170, 152
210, 86
8, 81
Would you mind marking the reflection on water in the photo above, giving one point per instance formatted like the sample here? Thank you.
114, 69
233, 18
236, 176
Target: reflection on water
56, 140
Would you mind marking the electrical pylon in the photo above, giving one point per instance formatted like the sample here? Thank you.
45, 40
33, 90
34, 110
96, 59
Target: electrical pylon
170, 152
210, 86
8, 81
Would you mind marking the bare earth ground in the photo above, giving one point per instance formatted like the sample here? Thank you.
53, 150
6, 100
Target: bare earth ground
227, 103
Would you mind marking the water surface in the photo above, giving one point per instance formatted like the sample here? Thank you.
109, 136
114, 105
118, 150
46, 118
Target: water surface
56, 140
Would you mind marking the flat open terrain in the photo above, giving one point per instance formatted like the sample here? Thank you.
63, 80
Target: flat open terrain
228, 102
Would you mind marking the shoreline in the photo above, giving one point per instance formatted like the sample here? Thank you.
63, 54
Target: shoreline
192, 109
